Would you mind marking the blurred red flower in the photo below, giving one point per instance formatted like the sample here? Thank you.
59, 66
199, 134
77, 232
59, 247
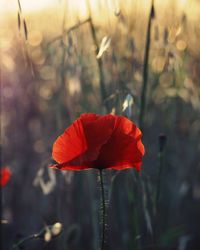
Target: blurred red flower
5, 174
99, 141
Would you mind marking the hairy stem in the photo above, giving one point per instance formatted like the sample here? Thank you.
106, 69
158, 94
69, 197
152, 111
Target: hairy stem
103, 210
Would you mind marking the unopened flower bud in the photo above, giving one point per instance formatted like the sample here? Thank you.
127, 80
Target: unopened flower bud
56, 229
162, 142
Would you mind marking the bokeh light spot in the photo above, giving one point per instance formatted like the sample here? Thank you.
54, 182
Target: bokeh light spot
35, 38
181, 45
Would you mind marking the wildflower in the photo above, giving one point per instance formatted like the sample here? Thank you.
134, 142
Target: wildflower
5, 174
101, 142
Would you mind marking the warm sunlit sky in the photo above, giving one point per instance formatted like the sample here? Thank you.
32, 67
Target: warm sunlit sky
190, 7
30, 5
36, 5
27, 5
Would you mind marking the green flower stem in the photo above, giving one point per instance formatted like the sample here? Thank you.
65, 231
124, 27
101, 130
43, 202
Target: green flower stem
103, 210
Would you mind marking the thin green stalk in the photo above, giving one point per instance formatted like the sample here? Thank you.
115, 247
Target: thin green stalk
40, 235
25, 240
161, 155
145, 68
103, 211
145, 81
99, 60
67, 31
21, 242
156, 218
58, 101
161, 161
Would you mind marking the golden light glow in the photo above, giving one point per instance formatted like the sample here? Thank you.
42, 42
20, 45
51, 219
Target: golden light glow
27, 5
35, 38
79, 7
181, 45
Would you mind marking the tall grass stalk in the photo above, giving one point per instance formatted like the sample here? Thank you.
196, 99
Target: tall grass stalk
146, 68
142, 205
58, 113
23, 241
47, 230
144, 86
161, 155
99, 60
67, 31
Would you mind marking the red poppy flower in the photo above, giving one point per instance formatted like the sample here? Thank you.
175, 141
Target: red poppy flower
5, 174
99, 141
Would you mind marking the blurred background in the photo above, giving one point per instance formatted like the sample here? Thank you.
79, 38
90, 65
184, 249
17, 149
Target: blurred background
61, 58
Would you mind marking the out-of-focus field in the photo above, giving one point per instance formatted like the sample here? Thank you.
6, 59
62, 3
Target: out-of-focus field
50, 78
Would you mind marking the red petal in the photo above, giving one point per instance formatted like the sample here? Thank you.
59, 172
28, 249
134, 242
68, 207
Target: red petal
98, 130
77, 150
5, 174
95, 141
124, 149
70, 144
